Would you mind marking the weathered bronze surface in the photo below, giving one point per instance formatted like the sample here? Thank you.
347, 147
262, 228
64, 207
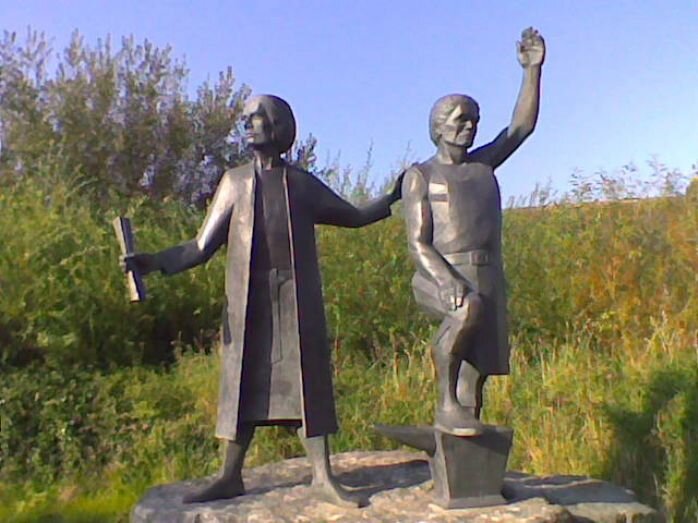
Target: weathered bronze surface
453, 459
453, 214
275, 353
454, 223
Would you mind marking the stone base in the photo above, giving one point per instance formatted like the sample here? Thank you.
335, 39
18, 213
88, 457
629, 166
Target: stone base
399, 489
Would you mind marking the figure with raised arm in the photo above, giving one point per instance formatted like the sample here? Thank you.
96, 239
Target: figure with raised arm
275, 357
453, 214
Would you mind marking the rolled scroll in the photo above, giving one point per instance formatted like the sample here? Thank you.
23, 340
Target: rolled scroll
134, 280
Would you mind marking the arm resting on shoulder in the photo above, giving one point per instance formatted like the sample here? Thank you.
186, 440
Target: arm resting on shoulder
331, 209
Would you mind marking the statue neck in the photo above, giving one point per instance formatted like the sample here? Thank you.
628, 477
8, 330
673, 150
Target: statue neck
267, 159
451, 154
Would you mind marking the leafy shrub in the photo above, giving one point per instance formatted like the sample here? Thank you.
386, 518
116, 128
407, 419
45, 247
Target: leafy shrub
66, 422
62, 294
608, 268
118, 119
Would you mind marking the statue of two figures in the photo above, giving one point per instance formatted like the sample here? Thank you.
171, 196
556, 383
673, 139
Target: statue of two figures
275, 355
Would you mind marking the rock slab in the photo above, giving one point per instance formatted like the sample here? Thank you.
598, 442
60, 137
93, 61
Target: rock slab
399, 487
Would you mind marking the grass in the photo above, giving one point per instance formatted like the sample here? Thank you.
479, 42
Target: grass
574, 411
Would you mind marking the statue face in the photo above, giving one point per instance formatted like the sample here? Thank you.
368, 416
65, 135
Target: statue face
460, 126
258, 126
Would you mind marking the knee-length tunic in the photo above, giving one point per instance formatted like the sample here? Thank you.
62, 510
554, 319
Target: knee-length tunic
463, 206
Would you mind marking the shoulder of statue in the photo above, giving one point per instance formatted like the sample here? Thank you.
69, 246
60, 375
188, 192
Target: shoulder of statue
425, 168
298, 176
294, 170
240, 171
481, 155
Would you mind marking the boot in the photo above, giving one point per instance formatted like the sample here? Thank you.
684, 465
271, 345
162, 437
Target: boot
451, 417
458, 421
469, 390
229, 483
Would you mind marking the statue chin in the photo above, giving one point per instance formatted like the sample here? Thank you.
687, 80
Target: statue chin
461, 143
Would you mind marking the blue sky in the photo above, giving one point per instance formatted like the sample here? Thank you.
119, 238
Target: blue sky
620, 82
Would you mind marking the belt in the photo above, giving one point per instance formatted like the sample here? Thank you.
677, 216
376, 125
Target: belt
476, 257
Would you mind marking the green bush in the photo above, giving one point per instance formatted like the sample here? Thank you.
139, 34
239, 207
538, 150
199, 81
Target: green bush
68, 422
118, 119
62, 294
604, 268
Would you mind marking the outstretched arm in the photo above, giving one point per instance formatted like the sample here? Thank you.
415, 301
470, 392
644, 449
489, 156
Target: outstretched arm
211, 235
331, 209
531, 54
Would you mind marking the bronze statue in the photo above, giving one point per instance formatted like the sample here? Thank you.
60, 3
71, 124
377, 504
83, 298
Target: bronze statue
453, 214
275, 354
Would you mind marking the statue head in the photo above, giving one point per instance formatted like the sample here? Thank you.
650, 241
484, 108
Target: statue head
269, 121
454, 119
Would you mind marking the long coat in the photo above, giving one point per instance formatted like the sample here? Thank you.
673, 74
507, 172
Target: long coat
230, 220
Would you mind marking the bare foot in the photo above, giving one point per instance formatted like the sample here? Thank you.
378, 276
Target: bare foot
336, 494
222, 488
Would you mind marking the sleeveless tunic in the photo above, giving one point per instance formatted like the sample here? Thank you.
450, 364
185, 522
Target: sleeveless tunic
465, 204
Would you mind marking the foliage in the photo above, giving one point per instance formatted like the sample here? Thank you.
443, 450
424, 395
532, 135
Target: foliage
122, 422
627, 417
597, 263
118, 119
61, 291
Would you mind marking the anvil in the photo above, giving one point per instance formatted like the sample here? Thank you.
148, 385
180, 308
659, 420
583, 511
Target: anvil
468, 471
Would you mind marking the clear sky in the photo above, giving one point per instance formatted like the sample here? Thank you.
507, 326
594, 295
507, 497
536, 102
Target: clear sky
620, 82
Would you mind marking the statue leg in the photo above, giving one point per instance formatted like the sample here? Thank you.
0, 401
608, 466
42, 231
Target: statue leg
448, 350
318, 451
229, 483
469, 388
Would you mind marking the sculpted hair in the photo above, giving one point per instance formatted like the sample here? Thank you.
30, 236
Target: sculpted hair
282, 120
442, 108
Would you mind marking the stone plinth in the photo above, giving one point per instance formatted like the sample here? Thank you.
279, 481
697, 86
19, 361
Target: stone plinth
399, 489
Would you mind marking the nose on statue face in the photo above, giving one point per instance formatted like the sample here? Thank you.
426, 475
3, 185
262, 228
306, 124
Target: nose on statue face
257, 129
458, 133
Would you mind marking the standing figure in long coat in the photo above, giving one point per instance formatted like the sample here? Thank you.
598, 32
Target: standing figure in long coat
453, 213
276, 366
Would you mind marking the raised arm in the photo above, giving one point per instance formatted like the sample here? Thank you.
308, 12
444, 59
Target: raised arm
212, 234
531, 54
